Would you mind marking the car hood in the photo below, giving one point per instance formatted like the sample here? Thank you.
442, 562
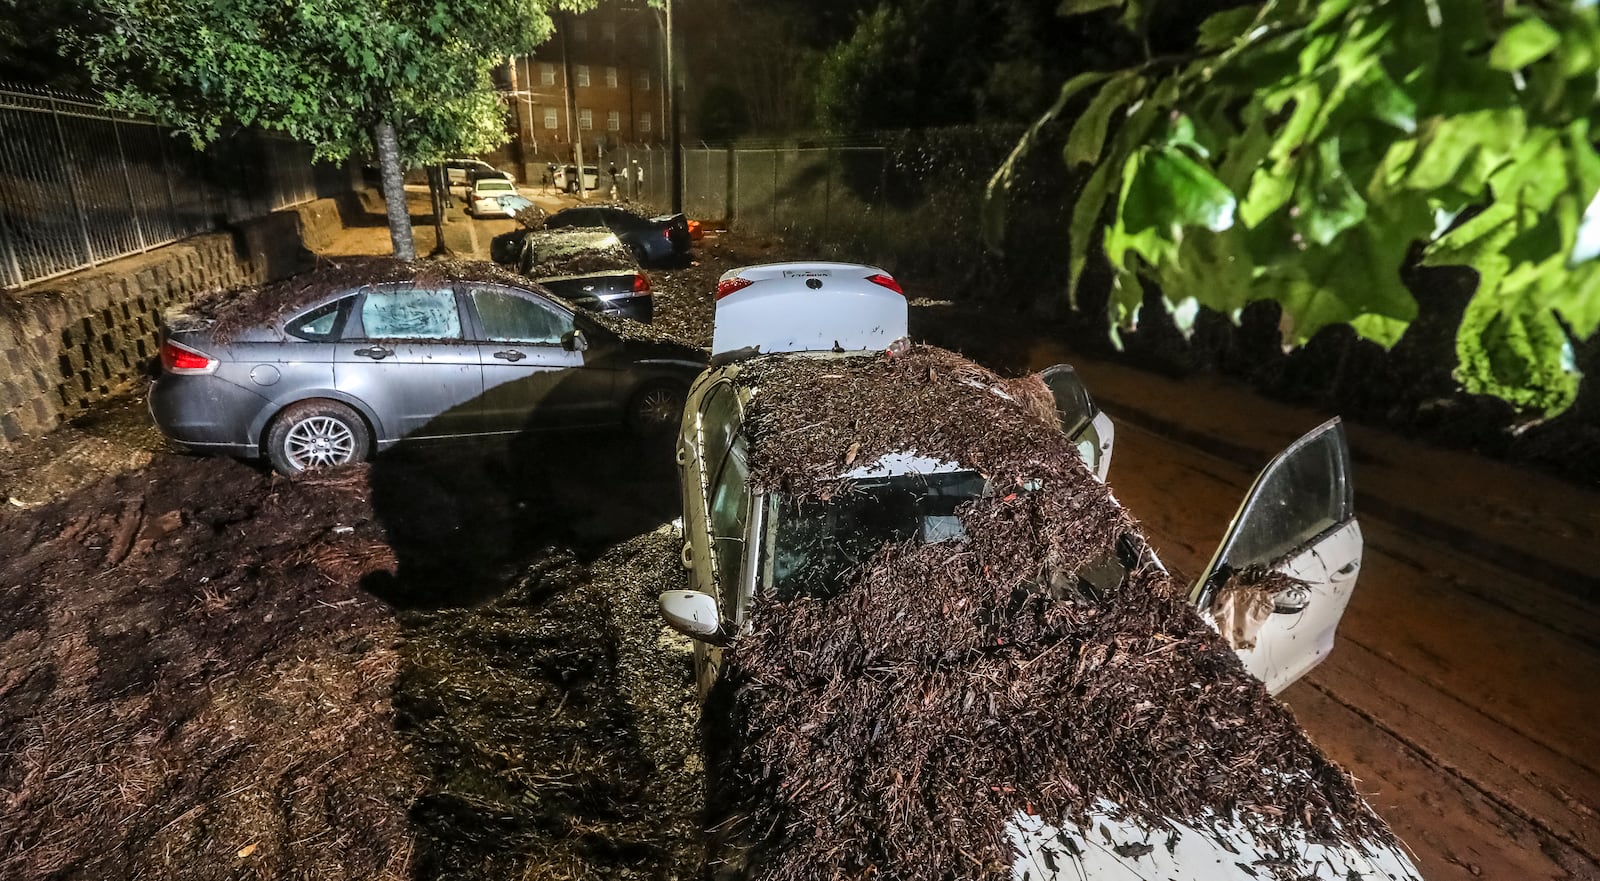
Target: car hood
1111, 846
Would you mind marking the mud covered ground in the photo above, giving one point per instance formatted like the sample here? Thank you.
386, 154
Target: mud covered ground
444, 664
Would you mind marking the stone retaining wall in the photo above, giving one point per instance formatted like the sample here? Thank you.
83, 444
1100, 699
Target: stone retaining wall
71, 341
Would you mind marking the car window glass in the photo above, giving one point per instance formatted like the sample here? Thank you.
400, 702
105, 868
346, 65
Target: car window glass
320, 323
410, 313
1073, 406
1302, 495
719, 421
814, 547
511, 317
730, 505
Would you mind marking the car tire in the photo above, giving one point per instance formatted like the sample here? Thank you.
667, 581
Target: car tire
313, 435
656, 408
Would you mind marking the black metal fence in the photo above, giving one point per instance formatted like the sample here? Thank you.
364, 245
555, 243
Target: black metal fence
80, 185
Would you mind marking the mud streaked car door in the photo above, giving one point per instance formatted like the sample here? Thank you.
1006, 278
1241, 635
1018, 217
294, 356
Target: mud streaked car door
1298, 520
405, 354
532, 379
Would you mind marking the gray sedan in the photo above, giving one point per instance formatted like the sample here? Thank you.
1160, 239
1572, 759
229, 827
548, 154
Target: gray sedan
326, 371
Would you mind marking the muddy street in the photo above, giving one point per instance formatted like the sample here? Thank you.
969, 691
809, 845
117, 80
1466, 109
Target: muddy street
451, 656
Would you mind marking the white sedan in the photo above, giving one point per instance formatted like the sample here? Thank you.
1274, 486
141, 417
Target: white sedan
494, 197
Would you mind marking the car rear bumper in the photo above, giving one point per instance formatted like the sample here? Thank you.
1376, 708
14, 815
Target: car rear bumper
640, 309
206, 413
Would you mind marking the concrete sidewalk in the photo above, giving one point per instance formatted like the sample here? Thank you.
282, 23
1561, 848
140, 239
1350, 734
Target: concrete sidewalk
1513, 517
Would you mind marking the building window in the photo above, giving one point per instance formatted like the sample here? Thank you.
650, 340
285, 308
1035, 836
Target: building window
551, 118
611, 77
608, 30
583, 74
644, 123
547, 74
644, 82
585, 119
614, 121
580, 30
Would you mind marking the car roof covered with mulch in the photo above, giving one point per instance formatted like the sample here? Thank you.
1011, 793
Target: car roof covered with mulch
230, 312
895, 727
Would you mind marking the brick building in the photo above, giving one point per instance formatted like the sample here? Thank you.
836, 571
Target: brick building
616, 62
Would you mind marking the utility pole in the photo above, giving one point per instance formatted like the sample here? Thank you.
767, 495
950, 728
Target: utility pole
674, 142
574, 130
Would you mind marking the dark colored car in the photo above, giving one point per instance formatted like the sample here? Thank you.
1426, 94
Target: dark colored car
466, 172
335, 365
653, 240
588, 267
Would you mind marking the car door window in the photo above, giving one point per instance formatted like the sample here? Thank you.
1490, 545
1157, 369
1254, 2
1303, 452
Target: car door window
507, 316
719, 422
1304, 493
320, 324
410, 314
730, 506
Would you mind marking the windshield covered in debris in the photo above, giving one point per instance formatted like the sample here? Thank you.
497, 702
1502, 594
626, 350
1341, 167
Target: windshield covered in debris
813, 546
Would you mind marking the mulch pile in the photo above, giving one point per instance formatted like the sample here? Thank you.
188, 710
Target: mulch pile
894, 728
236, 309
557, 728
193, 687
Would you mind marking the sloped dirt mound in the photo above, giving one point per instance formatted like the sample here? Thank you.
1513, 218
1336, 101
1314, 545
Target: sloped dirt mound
557, 726
894, 727
189, 686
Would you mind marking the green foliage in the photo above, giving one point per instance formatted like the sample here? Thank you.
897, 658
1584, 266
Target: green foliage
929, 63
321, 71
1306, 147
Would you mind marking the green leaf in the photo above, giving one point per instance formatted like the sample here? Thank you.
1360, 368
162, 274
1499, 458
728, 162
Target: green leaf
1327, 204
1088, 134
1223, 28
1513, 350
1086, 213
1524, 43
1172, 191
1080, 7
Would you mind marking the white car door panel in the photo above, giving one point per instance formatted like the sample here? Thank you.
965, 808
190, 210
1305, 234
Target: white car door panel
1298, 520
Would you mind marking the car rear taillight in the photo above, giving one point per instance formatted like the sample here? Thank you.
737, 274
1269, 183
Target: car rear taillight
181, 359
887, 282
641, 285
728, 286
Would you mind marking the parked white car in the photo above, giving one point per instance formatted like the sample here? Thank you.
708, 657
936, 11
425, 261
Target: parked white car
494, 197
1298, 519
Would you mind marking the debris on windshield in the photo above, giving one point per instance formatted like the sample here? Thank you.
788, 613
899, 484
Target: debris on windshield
1038, 664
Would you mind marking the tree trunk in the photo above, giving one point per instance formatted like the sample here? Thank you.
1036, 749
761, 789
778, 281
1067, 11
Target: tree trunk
439, 196
394, 191
574, 130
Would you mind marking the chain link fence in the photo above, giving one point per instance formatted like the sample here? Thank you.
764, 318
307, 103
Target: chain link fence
80, 185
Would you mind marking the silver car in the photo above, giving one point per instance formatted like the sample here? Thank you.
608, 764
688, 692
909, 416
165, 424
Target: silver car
329, 368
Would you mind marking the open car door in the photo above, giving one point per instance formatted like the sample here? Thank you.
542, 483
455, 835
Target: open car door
1083, 422
1298, 521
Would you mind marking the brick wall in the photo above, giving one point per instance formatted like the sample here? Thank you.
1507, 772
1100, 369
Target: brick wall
69, 342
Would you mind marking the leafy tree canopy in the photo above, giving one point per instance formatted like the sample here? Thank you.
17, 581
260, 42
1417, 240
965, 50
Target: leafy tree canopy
915, 63
321, 71
1307, 146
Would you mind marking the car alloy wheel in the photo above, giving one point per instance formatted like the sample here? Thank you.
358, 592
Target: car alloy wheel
319, 442
313, 435
656, 409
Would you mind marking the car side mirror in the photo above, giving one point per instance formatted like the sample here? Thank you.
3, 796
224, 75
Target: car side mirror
574, 341
693, 614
